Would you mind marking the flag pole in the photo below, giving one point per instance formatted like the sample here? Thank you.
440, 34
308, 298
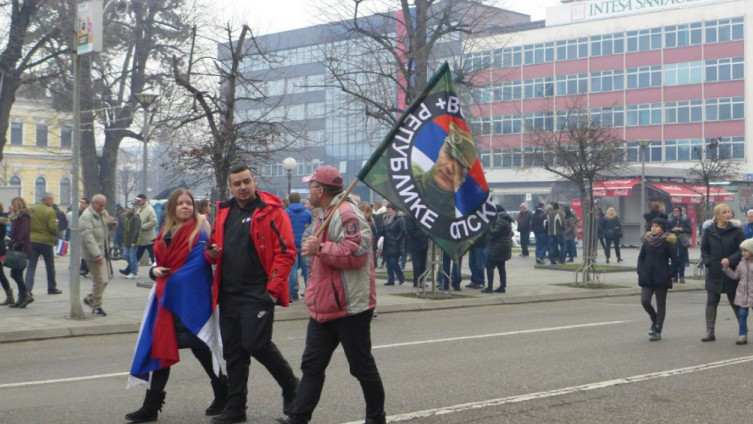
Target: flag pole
344, 197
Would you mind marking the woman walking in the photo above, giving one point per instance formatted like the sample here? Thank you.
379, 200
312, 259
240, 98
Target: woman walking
4, 221
394, 244
180, 314
612, 229
680, 227
498, 250
744, 293
720, 244
571, 233
656, 262
20, 237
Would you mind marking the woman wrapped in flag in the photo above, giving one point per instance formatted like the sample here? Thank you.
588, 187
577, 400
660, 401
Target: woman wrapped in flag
180, 312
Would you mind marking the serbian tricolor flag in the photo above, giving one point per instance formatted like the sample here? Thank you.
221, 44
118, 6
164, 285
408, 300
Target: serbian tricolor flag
427, 167
186, 293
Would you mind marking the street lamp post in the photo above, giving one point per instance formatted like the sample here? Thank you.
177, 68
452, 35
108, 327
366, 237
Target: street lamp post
145, 100
643, 144
289, 164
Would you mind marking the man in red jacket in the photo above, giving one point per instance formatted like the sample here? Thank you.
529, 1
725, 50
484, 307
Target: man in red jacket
253, 247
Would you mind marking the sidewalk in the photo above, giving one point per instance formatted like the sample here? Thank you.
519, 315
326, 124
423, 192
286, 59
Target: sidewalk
124, 300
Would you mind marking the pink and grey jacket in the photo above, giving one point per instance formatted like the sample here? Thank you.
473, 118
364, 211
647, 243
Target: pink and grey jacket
341, 280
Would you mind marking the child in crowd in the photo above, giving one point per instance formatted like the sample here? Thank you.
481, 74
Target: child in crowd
744, 294
656, 266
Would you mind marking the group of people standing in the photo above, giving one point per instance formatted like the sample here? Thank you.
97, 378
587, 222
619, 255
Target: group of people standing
555, 230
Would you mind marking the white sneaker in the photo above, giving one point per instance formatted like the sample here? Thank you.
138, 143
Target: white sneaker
132, 276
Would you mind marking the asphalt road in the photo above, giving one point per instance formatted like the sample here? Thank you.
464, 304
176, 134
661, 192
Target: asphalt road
585, 361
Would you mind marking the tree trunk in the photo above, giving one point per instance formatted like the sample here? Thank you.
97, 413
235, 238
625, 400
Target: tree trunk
89, 160
8, 87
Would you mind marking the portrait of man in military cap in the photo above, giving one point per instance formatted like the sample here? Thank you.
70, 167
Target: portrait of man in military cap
438, 184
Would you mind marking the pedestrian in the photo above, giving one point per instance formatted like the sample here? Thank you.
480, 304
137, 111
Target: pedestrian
341, 297
95, 224
570, 234
300, 218
182, 314
418, 245
44, 230
556, 223
612, 229
205, 213
253, 248
445, 277
748, 227
680, 226
83, 203
477, 263
394, 243
148, 217
524, 228
116, 252
131, 234
720, 245
368, 215
498, 250
62, 222
380, 211
4, 221
315, 213
656, 266
600, 215
743, 273
655, 212
538, 226
20, 238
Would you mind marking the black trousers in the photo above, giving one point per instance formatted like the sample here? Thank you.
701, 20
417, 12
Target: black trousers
712, 301
525, 240
246, 327
657, 315
149, 248
418, 256
354, 333
200, 350
490, 265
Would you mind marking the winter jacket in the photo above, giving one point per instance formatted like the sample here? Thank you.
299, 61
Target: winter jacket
556, 223
683, 222
524, 222
571, 228
748, 230
20, 234
744, 275
148, 218
394, 236
417, 239
499, 239
43, 226
341, 277
611, 228
131, 229
657, 265
94, 233
649, 217
717, 244
300, 218
273, 239
538, 222
4, 221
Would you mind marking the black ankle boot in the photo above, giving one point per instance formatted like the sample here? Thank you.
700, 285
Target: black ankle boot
219, 386
148, 412
21, 302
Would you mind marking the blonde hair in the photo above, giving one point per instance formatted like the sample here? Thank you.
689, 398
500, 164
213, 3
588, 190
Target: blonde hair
171, 224
366, 209
718, 209
19, 207
611, 213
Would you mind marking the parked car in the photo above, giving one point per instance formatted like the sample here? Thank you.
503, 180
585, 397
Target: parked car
516, 236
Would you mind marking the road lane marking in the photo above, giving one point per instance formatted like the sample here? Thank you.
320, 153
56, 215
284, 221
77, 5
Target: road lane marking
62, 380
561, 392
509, 333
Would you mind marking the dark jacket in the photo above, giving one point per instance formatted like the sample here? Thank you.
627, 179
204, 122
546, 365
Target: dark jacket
20, 234
524, 222
649, 216
611, 228
300, 218
394, 237
4, 221
417, 239
683, 222
717, 244
131, 229
657, 265
556, 222
499, 239
538, 222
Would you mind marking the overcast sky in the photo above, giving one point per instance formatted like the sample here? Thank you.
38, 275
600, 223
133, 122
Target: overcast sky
265, 16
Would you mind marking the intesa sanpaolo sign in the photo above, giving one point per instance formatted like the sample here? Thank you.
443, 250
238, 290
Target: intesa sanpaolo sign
604, 9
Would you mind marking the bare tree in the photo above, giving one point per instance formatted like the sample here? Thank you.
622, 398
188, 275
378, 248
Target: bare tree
214, 86
582, 149
713, 165
129, 174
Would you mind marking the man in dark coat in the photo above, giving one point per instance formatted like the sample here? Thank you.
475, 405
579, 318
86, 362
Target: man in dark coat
655, 213
538, 226
418, 246
524, 228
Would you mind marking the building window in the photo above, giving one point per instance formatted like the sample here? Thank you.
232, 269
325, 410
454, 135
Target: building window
40, 188
506, 91
644, 77
41, 135
477, 60
606, 45
683, 112
724, 30
644, 114
606, 81
508, 57
725, 69
538, 87
683, 73
540, 121
683, 35
725, 109
608, 117
66, 137
644, 40
16, 133
572, 84
65, 191
15, 180
577, 48
538, 53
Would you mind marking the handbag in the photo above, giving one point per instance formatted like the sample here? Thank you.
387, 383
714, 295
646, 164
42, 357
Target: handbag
684, 239
15, 260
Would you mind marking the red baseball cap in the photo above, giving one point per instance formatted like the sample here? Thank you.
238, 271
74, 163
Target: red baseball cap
325, 174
